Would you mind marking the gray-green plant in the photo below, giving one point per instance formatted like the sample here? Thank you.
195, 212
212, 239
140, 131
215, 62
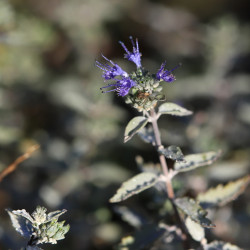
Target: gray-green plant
39, 227
144, 91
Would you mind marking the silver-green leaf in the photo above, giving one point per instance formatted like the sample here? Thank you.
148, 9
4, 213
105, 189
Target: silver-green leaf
192, 209
134, 186
221, 194
196, 160
169, 108
134, 126
22, 222
39, 227
196, 231
220, 245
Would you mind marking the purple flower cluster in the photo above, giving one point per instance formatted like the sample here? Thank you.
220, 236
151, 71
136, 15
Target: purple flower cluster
124, 83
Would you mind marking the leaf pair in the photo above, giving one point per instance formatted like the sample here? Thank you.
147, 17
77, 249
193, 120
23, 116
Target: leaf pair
146, 180
217, 196
139, 122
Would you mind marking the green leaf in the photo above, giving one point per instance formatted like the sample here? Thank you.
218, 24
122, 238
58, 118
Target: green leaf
196, 160
220, 245
135, 185
134, 126
221, 194
195, 230
44, 228
172, 152
192, 209
169, 108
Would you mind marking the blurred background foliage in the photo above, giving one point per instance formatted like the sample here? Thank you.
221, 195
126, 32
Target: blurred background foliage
49, 94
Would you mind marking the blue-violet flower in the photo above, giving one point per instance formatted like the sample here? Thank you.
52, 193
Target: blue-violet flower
134, 56
110, 72
165, 75
121, 86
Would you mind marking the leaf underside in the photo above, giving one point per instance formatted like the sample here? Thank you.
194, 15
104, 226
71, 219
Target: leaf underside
196, 160
169, 108
192, 209
134, 186
222, 194
134, 126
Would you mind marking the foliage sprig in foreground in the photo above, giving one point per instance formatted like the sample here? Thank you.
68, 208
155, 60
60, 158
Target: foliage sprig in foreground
39, 227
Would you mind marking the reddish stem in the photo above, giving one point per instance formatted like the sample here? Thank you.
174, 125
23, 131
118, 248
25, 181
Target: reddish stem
162, 158
170, 191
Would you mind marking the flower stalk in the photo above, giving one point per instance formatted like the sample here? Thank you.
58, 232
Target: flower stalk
170, 192
162, 158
